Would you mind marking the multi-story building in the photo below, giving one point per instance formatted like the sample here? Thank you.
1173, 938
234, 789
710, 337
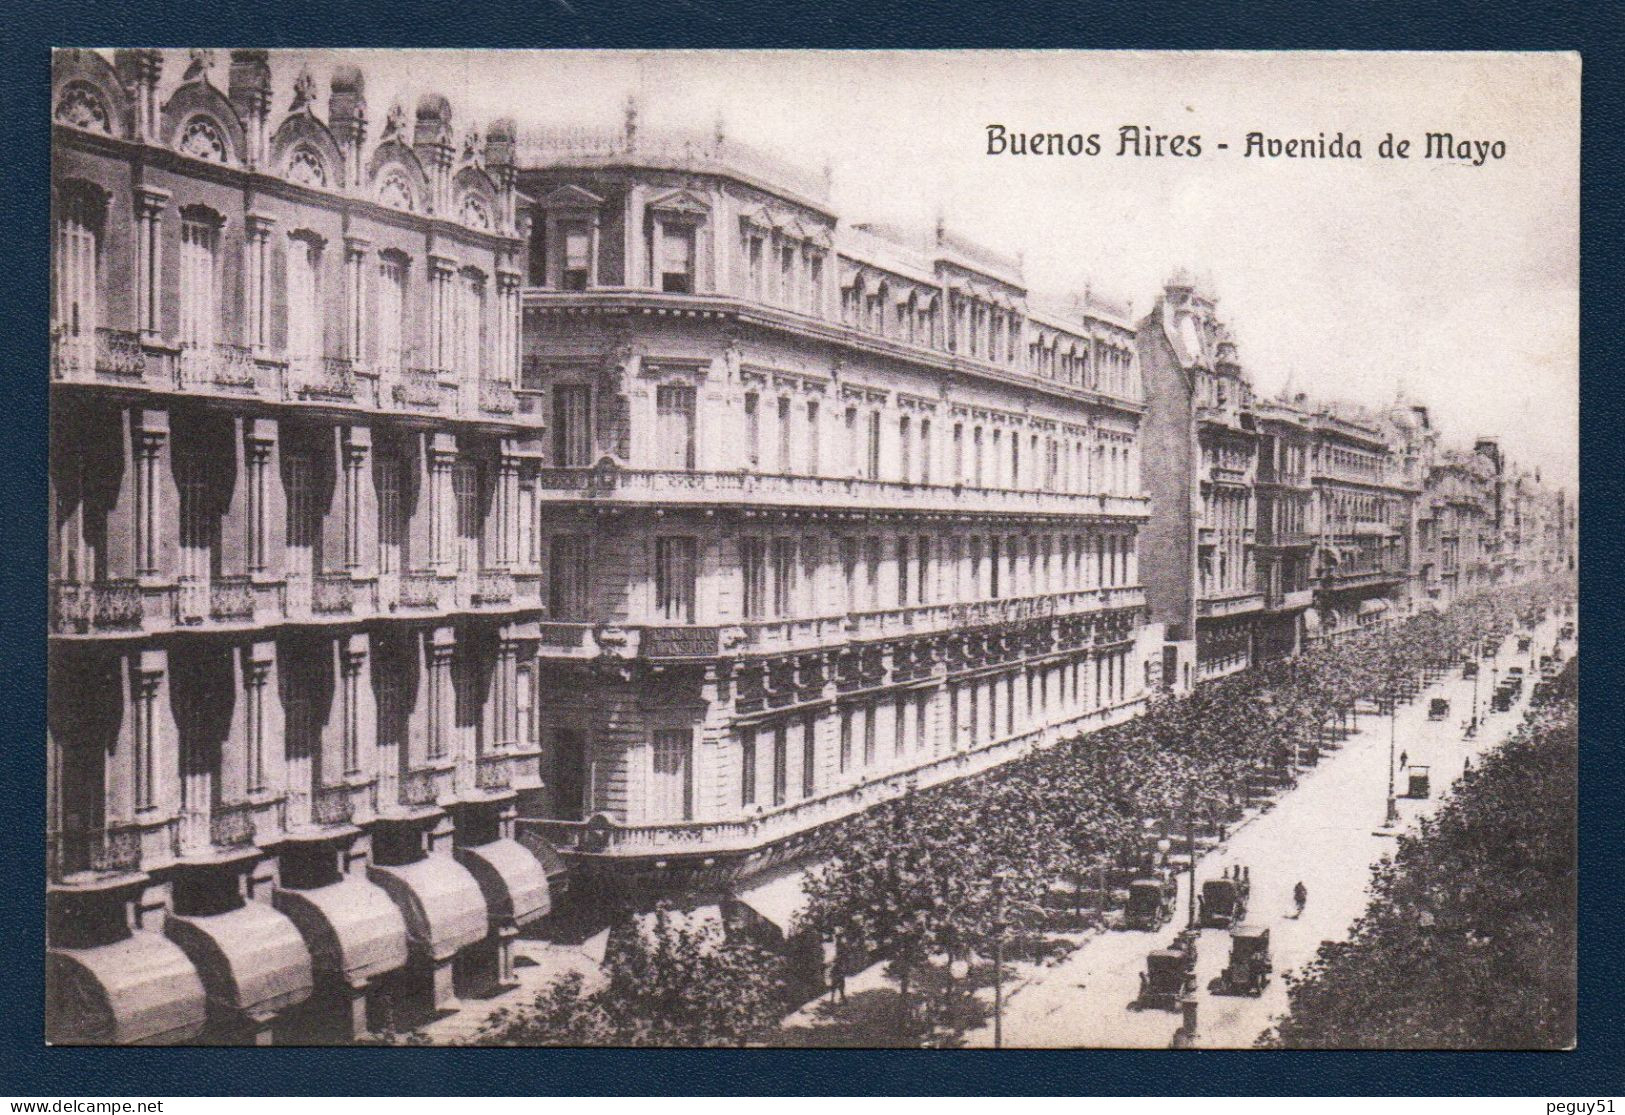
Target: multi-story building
1285, 543
1365, 487
1453, 528
295, 600
827, 511
1201, 464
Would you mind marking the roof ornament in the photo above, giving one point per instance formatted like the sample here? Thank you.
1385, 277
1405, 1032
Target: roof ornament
631, 112
471, 147
304, 92
200, 62
394, 123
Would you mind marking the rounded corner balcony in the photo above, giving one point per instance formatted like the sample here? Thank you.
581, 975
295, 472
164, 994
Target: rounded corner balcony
612, 483
669, 149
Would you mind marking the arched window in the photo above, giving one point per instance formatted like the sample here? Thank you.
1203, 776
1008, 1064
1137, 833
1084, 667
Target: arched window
203, 139
470, 324
305, 167
395, 191
392, 272
475, 213
80, 106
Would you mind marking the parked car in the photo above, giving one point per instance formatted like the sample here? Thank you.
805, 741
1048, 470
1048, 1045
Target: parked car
1250, 966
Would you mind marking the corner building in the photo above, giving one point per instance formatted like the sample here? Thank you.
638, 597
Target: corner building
293, 620
826, 510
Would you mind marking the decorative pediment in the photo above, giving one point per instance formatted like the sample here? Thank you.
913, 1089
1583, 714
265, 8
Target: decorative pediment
792, 230
820, 237
88, 93
681, 203
397, 177
200, 122
304, 151
757, 216
571, 197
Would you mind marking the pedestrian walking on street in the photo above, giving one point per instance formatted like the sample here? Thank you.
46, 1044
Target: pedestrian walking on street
1403, 756
1300, 897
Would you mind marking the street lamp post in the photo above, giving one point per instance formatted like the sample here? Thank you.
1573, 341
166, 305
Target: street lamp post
1391, 816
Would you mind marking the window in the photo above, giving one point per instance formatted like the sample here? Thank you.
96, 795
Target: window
747, 767
470, 325
753, 265
391, 349
78, 232
781, 764
577, 239
902, 571
572, 433
674, 406
304, 520
849, 571
753, 429
568, 578
199, 281
815, 281
854, 459
784, 434
809, 756
870, 717
923, 572
925, 451
392, 522
873, 455
305, 340
671, 791
812, 438
676, 257
845, 756
784, 577
871, 559
787, 275
674, 579
465, 493
753, 566
899, 731
993, 562
904, 450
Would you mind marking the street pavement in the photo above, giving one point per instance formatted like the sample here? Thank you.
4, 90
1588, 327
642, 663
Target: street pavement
1325, 832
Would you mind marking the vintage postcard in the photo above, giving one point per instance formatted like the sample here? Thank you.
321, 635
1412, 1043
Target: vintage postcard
880, 549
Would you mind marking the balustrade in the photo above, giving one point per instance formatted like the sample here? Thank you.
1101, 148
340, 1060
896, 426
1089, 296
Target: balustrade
100, 851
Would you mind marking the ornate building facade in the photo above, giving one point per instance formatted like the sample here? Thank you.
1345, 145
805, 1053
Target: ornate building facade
293, 620
1202, 465
828, 510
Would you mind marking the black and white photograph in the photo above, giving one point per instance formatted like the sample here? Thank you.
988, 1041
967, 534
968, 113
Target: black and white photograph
979, 549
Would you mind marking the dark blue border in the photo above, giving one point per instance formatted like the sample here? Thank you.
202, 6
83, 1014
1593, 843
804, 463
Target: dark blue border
28, 1069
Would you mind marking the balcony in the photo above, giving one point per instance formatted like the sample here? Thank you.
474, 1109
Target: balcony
107, 356
1225, 606
86, 855
417, 391
324, 379
1285, 539
226, 370
720, 489
497, 398
418, 789
494, 586
333, 594
605, 837
584, 640
1339, 579
107, 606
1289, 601
493, 773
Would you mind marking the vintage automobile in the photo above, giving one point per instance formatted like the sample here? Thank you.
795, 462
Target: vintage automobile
1470, 670
1150, 904
1223, 902
1438, 708
1249, 968
1523, 644
1168, 978
1418, 781
1503, 698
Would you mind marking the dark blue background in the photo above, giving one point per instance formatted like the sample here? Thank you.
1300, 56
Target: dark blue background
27, 30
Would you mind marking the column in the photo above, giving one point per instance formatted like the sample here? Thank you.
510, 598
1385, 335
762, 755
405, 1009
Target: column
259, 436
442, 508
149, 213
356, 249
505, 360
150, 435
360, 519
257, 280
